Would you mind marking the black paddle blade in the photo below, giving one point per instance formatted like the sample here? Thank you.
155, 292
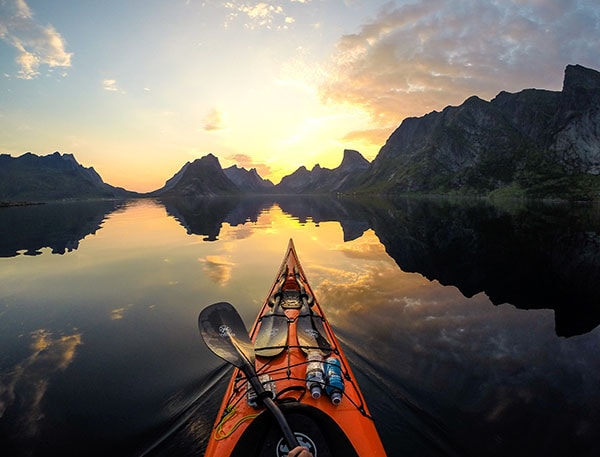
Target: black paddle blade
272, 335
225, 334
311, 332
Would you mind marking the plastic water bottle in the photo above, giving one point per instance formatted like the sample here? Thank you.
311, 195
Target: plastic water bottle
315, 376
334, 380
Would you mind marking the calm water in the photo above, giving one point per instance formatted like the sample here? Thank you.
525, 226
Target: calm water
473, 328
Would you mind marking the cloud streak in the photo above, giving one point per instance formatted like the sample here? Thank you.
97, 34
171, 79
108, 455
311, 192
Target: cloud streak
418, 57
36, 45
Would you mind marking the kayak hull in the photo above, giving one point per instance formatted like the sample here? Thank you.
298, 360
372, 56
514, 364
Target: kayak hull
290, 325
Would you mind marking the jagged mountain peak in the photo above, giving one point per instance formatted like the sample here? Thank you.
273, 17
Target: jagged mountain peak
248, 180
324, 180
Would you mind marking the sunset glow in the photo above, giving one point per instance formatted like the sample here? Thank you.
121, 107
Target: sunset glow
136, 89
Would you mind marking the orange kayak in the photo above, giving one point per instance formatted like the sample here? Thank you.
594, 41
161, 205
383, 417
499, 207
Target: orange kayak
301, 365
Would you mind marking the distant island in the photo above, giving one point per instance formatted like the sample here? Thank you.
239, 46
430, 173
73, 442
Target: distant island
531, 144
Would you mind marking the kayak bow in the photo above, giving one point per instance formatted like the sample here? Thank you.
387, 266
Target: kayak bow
292, 342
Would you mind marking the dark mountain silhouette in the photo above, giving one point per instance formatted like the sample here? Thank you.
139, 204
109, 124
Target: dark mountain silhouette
248, 181
203, 177
53, 177
325, 180
534, 143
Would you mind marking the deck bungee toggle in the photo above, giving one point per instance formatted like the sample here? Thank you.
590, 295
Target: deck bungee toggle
292, 382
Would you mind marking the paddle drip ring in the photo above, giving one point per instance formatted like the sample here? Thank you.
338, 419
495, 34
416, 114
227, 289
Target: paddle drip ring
225, 331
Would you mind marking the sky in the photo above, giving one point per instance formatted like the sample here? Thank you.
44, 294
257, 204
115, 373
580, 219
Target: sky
138, 88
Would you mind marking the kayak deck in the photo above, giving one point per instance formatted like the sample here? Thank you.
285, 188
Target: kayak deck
290, 324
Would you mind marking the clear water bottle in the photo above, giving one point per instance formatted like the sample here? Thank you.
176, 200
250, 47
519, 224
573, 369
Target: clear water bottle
334, 381
315, 376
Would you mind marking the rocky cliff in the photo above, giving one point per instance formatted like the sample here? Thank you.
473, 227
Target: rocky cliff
536, 142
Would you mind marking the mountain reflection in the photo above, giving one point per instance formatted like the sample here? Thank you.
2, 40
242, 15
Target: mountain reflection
57, 226
204, 216
531, 255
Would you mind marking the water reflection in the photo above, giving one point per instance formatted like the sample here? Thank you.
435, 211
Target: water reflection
466, 374
205, 216
57, 226
23, 387
530, 255
119, 366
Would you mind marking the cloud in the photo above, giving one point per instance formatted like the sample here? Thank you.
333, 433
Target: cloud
36, 45
247, 162
118, 313
111, 86
23, 387
422, 56
263, 14
214, 120
217, 269
375, 137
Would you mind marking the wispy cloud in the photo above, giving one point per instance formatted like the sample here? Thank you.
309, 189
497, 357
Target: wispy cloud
111, 86
214, 120
262, 14
376, 137
425, 55
247, 162
36, 44
217, 268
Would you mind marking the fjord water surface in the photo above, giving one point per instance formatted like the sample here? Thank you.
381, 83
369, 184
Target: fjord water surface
473, 328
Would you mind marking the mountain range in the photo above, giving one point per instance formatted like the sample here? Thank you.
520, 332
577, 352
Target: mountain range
30, 177
534, 143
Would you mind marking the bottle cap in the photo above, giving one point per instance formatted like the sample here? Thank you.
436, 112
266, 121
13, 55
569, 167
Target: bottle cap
315, 391
336, 398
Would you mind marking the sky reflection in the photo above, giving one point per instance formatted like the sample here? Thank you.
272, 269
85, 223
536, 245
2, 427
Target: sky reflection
101, 347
